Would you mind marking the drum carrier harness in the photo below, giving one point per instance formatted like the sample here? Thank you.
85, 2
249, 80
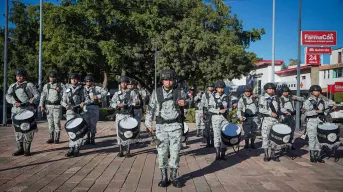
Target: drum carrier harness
76, 109
23, 86
126, 110
58, 102
176, 95
245, 102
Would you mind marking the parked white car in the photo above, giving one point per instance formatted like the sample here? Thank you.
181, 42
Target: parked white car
337, 114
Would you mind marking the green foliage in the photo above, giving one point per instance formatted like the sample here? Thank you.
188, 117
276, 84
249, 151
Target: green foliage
293, 62
284, 66
338, 97
202, 41
190, 116
104, 113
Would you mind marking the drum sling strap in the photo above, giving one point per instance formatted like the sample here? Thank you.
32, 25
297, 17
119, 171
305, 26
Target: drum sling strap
58, 102
283, 102
315, 107
92, 90
245, 102
160, 99
76, 109
125, 101
221, 106
271, 106
23, 86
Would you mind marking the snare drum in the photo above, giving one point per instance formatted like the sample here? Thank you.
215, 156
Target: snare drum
280, 134
185, 132
128, 128
328, 133
76, 128
231, 134
24, 122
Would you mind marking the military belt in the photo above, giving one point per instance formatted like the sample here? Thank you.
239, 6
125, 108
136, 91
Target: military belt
160, 120
311, 117
53, 103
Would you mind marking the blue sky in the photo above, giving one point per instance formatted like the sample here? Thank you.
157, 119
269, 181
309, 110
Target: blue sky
316, 15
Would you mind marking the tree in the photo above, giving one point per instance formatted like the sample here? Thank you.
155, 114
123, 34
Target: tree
284, 66
293, 62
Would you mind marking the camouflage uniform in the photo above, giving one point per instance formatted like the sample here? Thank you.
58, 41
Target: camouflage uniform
198, 113
268, 121
24, 96
73, 96
207, 116
168, 127
51, 101
91, 115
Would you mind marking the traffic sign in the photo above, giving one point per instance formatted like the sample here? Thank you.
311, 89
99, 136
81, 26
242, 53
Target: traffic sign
325, 38
313, 59
318, 50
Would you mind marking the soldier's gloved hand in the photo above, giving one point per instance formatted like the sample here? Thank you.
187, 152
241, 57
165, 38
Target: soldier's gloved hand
82, 104
120, 105
222, 111
137, 101
274, 114
294, 97
69, 107
150, 131
241, 119
95, 97
17, 104
58, 89
31, 100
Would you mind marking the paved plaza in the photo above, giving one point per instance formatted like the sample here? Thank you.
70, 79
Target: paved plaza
99, 169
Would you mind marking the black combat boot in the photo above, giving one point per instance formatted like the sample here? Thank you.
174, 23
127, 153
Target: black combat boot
27, 149
57, 138
128, 154
246, 146
274, 157
121, 154
93, 138
217, 153
70, 152
164, 178
222, 154
88, 140
77, 151
173, 178
252, 143
20, 150
266, 156
51, 139
319, 157
312, 157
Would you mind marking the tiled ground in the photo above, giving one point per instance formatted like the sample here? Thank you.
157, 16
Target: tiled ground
99, 169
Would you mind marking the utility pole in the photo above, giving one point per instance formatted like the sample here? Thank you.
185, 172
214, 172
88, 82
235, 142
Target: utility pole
297, 119
4, 102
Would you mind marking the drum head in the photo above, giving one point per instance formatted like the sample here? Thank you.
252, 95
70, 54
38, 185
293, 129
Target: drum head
328, 126
186, 129
231, 130
128, 123
282, 129
74, 123
24, 115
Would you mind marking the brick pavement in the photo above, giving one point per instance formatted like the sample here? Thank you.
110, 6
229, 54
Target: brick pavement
99, 169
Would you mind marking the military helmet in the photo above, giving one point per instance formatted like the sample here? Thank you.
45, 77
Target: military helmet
285, 89
52, 74
220, 84
124, 79
247, 88
133, 82
168, 74
210, 84
20, 72
74, 76
269, 86
315, 88
89, 78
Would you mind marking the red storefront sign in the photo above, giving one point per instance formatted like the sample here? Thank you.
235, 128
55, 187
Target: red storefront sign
338, 87
326, 38
312, 59
318, 50
331, 89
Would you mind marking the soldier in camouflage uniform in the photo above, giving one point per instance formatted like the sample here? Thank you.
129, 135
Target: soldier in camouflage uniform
124, 100
137, 109
218, 105
206, 114
247, 113
50, 102
199, 113
73, 100
288, 111
22, 95
268, 107
165, 105
314, 110
94, 95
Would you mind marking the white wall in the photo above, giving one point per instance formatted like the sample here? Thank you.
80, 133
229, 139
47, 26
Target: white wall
328, 81
334, 56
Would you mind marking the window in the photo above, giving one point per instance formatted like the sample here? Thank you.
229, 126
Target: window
337, 73
303, 77
328, 71
339, 57
324, 74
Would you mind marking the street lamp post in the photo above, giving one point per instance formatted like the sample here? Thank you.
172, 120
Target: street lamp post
273, 44
40, 45
4, 103
298, 66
